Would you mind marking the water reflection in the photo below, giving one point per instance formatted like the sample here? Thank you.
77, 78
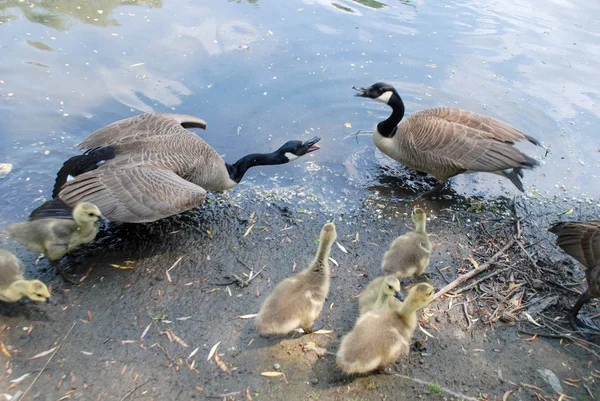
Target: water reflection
56, 13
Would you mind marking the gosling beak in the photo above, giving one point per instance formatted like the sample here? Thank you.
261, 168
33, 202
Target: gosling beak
51, 301
361, 92
311, 145
25, 300
103, 219
398, 296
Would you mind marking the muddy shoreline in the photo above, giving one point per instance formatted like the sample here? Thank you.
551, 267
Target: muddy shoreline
140, 333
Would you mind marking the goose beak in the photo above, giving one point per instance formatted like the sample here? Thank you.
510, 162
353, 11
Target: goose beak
398, 296
311, 145
51, 301
361, 92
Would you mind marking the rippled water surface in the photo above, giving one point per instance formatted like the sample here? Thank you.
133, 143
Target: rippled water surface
262, 72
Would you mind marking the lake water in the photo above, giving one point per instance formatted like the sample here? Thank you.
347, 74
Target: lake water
262, 72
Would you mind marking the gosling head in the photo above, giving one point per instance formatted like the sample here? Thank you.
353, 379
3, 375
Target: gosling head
380, 91
292, 150
86, 213
420, 295
391, 288
328, 233
418, 215
32, 290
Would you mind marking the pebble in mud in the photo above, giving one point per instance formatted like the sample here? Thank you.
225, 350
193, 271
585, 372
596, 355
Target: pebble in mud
277, 366
314, 380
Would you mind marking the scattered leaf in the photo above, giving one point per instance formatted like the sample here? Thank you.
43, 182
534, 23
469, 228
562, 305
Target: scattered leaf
194, 353
183, 318
178, 340
334, 261
213, 350
272, 374
348, 125
528, 316
4, 350
531, 386
209, 233
221, 364
474, 262
21, 378
248, 394
425, 331
120, 267
248, 230
145, 331
44, 353
89, 315
136, 65
569, 211
250, 316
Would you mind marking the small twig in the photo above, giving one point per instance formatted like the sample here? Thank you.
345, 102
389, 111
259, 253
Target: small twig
566, 336
468, 287
562, 286
165, 351
474, 272
48, 361
244, 283
443, 389
135, 388
467, 315
491, 318
443, 275
589, 392
531, 260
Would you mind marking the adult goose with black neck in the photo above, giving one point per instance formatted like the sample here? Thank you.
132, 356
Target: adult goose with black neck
445, 142
149, 167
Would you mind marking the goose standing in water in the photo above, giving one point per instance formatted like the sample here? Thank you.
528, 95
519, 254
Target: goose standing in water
581, 240
56, 229
445, 142
149, 167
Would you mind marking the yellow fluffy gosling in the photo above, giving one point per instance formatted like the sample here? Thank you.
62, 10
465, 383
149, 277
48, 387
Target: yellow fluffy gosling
55, 229
380, 337
377, 294
408, 255
298, 300
14, 287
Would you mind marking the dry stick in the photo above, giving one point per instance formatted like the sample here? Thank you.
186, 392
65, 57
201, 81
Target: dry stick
443, 389
468, 287
491, 318
135, 388
473, 272
48, 361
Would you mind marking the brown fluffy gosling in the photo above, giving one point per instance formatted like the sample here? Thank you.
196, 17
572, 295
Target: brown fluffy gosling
298, 300
380, 337
408, 255
377, 294
56, 229
14, 287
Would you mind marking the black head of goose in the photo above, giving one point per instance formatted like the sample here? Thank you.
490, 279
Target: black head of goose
149, 167
445, 142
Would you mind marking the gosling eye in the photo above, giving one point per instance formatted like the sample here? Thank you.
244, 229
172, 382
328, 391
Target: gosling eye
91, 214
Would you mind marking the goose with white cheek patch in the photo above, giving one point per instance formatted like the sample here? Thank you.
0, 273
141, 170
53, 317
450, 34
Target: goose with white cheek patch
445, 142
149, 167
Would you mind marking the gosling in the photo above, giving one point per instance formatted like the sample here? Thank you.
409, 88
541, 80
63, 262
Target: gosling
380, 337
378, 293
409, 254
14, 287
298, 300
56, 229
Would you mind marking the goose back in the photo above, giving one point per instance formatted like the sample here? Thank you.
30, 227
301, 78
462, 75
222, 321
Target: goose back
445, 142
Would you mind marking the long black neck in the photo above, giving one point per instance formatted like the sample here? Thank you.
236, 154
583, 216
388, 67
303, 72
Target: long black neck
387, 128
239, 168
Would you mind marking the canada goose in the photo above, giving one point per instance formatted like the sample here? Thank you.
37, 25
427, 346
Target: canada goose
14, 287
379, 337
377, 294
445, 142
55, 229
581, 240
149, 167
409, 254
298, 300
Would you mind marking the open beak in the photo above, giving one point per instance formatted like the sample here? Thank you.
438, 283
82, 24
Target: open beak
361, 92
398, 296
51, 301
311, 145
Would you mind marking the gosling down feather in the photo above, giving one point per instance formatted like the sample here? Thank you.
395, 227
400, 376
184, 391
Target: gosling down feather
14, 287
378, 293
581, 240
381, 336
56, 229
149, 167
445, 142
297, 301
409, 254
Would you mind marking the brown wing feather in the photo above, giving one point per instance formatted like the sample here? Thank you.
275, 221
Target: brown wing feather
134, 194
455, 140
141, 127
581, 240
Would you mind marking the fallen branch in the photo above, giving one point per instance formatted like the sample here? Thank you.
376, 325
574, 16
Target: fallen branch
468, 287
473, 272
240, 281
135, 388
47, 362
442, 389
